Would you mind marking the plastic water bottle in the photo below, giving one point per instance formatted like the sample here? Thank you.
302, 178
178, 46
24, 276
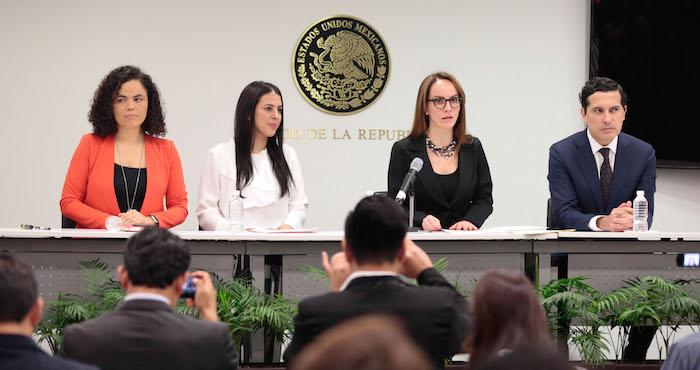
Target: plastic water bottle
235, 213
640, 210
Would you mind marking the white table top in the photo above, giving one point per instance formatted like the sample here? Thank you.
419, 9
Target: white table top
255, 236
499, 233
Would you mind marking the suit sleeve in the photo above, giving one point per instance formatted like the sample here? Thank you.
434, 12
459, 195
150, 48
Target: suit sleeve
75, 189
175, 194
208, 214
461, 320
482, 201
301, 337
298, 202
230, 355
647, 182
398, 167
565, 209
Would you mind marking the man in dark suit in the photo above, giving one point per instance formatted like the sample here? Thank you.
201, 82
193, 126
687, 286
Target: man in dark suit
145, 332
594, 174
365, 279
20, 312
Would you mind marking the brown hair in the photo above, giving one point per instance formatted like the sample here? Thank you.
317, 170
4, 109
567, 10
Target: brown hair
373, 342
420, 119
506, 315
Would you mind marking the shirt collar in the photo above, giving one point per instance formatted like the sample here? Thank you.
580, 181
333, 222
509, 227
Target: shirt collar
148, 297
361, 274
595, 146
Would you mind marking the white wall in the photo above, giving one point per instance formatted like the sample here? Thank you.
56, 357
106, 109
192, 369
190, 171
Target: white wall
522, 64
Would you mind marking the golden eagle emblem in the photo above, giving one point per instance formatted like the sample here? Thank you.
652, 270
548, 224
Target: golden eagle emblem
341, 65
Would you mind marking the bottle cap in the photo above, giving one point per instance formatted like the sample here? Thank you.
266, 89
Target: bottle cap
640, 192
237, 193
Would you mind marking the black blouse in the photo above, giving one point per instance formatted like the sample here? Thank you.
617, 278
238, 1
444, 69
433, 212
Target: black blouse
131, 175
448, 184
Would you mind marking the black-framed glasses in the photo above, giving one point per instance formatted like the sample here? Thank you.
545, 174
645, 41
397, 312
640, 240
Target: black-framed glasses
455, 102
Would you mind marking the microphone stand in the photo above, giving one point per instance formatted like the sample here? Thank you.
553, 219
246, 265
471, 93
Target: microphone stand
412, 210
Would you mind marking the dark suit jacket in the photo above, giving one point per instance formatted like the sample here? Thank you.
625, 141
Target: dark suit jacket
145, 334
575, 186
18, 352
435, 314
472, 201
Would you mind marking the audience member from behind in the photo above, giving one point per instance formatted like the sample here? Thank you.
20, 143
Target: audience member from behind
20, 312
507, 316
364, 279
684, 354
373, 342
528, 358
145, 332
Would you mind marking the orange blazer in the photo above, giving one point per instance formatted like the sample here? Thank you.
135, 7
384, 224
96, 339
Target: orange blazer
88, 192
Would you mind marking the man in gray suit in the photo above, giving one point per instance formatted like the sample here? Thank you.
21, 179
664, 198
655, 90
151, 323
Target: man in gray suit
145, 332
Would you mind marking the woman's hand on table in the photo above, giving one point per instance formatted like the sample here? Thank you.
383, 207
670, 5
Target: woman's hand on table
134, 217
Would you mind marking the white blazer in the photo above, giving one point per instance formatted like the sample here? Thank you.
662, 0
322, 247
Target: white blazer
262, 206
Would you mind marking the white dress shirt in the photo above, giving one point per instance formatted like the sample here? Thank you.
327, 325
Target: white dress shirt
595, 148
147, 296
262, 205
361, 274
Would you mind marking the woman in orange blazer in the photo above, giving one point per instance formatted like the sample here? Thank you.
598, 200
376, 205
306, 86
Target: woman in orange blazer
122, 169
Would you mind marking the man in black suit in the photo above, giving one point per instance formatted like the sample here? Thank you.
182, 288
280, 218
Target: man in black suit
20, 312
145, 332
365, 279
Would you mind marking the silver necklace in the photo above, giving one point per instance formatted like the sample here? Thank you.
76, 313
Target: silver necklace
130, 206
441, 151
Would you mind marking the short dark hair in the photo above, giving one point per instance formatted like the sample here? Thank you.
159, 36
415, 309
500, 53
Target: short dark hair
596, 84
155, 257
102, 110
375, 229
18, 288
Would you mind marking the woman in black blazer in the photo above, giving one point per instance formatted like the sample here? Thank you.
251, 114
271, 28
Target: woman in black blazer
453, 190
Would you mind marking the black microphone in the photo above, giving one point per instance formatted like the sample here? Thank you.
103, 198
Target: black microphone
416, 166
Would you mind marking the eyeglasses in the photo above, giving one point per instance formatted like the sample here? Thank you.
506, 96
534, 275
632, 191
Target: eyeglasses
439, 103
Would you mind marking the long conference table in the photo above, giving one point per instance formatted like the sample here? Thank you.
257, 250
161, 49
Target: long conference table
607, 257
278, 260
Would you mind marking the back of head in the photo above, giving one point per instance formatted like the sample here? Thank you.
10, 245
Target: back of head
602, 84
369, 343
18, 289
506, 315
155, 257
527, 358
375, 230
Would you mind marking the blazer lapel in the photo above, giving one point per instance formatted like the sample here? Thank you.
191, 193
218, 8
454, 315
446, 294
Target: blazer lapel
427, 175
465, 171
109, 154
589, 170
619, 172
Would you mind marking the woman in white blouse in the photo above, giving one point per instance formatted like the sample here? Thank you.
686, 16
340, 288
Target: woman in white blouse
255, 162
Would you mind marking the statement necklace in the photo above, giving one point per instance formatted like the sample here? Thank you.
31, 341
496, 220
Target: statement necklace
130, 206
441, 151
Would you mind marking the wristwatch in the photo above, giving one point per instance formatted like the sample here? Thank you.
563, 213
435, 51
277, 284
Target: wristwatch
155, 220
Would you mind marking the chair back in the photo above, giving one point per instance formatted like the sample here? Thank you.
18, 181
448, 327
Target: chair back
67, 223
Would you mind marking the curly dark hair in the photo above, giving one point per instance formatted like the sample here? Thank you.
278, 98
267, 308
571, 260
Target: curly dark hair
101, 113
